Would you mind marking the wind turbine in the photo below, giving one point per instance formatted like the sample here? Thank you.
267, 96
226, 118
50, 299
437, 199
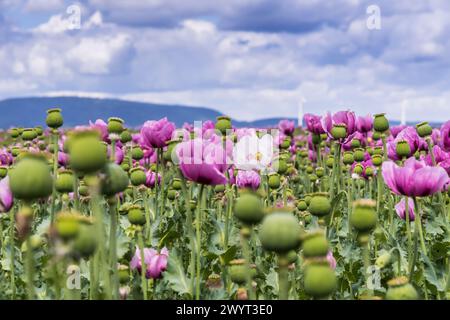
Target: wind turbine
300, 110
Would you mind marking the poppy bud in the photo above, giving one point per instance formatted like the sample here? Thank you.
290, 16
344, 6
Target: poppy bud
315, 244
281, 164
249, 208
320, 172
320, 205
115, 125
348, 158
238, 271
83, 190
286, 143
54, 118
24, 220
424, 129
401, 289
136, 215
380, 123
358, 169
359, 154
339, 131
137, 153
274, 181
30, 178
64, 181
364, 215
355, 143
280, 232
3, 171
383, 260
368, 171
137, 176
169, 152
87, 154
316, 139
403, 149
320, 280
114, 180
223, 124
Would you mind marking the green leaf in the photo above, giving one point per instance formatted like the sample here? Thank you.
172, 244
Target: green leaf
272, 280
175, 275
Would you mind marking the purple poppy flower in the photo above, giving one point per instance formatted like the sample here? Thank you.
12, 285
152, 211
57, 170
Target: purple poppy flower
331, 260
445, 136
409, 134
313, 123
364, 124
155, 262
102, 127
397, 129
6, 196
400, 208
287, 127
441, 157
151, 179
346, 118
156, 133
63, 158
248, 179
415, 179
202, 162
5, 157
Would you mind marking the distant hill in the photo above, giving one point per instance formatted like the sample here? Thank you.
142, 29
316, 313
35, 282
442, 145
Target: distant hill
30, 112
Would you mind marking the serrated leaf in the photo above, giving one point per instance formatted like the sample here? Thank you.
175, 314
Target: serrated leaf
176, 276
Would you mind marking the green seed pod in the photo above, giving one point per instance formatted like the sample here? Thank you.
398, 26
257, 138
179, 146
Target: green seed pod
29, 134
380, 123
316, 139
137, 176
83, 190
281, 165
358, 169
330, 162
301, 205
274, 181
137, 153
115, 125
86, 241
3, 171
304, 154
309, 169
30, 178
249, 208
115, 179
376, 135
67, 225
280, 232
424, 129
339, 131
320, 280
193, 205
403, 149
377, 160
348, 158
223, 124
54, 118
239, 272
369, 171
400, 289
87, 154
171, 145
125, 166
292, 257
64, 181
125, 136
355, 143
171, 194
320, 205
14, 132
364, 216
123, 272
136, 215
359, 154
286, 143
176, 184
315, 244
219, 188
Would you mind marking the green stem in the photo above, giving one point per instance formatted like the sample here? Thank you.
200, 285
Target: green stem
30, 269
245, 236
12, 228
143, 265
113, 248
198, 240
283, 280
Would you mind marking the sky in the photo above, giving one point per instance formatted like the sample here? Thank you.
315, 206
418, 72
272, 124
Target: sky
249, 59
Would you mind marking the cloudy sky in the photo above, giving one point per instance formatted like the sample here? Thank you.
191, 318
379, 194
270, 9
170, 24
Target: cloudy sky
247, 58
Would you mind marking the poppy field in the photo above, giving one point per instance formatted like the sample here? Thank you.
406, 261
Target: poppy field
345, 207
